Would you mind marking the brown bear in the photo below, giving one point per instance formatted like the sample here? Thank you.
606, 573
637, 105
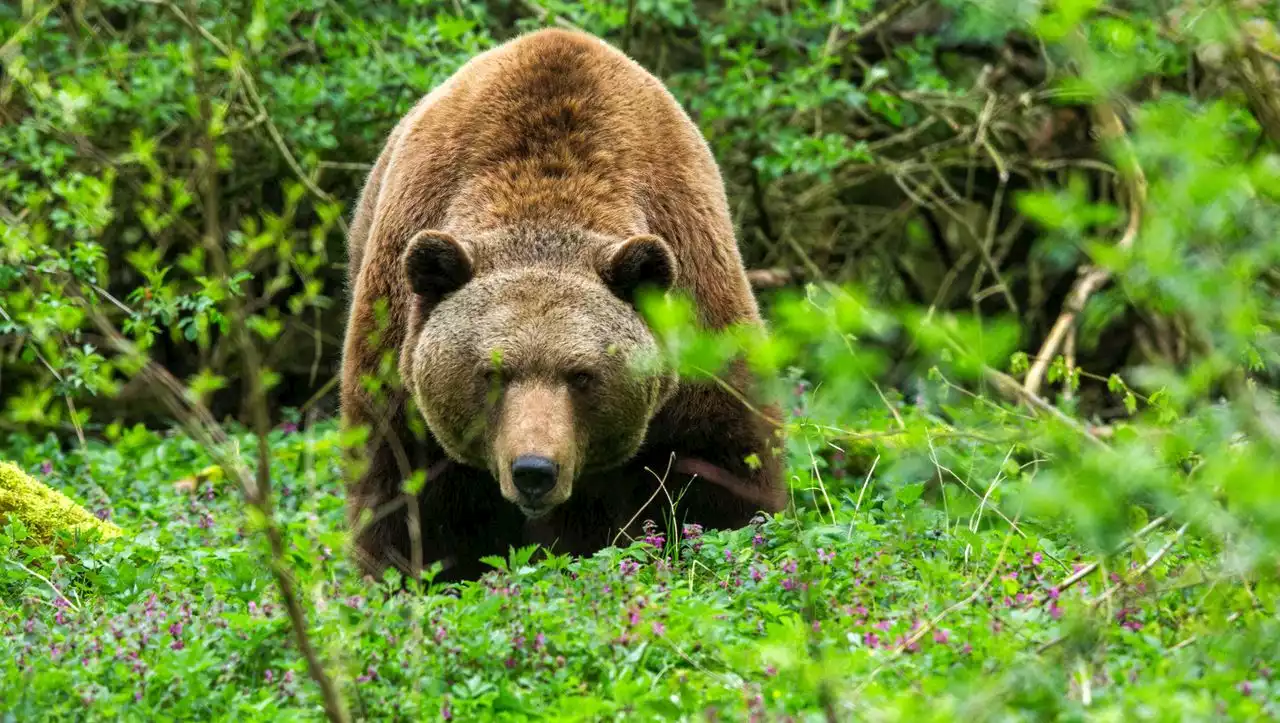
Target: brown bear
496, 255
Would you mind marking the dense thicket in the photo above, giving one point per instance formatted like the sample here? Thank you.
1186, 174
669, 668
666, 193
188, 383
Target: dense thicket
887, 144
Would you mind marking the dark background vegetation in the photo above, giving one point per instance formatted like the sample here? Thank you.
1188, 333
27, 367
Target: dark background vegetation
882, 144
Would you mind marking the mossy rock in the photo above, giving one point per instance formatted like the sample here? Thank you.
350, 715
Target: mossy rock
43, 510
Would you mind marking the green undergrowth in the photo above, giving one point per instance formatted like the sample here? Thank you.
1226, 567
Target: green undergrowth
868, 601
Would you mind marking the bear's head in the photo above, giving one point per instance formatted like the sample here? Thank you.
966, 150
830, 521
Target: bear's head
523, 352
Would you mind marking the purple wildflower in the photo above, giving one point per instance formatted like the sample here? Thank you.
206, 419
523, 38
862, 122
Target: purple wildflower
46, 467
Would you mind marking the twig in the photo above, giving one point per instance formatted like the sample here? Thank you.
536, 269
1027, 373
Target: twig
1009, 387
873, 25
10, 46
933, 622
1087, 570
761, 279
662, 487
1144, 569
542, 14
258, 493
48, 582
251, 88
1135, 182
1187, 641
858, 505
1109, 592
627, 26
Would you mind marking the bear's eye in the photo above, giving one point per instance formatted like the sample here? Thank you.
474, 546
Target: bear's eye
581, 380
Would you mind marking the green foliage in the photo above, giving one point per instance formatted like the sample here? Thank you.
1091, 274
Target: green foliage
983, 525
867, 604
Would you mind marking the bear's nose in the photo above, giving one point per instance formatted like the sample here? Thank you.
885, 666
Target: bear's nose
534, 476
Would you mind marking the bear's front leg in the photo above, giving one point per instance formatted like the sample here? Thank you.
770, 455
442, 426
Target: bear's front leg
460, 518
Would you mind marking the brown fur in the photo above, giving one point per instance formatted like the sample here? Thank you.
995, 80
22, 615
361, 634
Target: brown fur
537, 159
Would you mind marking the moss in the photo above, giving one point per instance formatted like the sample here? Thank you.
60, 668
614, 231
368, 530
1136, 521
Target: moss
44, 510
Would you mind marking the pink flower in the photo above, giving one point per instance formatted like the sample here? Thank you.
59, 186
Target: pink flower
1036, 558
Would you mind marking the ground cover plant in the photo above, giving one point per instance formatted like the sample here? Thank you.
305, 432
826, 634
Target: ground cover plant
1020, 266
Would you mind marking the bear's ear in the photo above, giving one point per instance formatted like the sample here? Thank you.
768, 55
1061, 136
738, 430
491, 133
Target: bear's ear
436, 264
639, 262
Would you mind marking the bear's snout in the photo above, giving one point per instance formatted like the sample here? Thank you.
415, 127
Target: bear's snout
535, 455
534, 476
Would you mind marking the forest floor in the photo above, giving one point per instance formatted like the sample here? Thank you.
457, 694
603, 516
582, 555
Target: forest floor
871, 606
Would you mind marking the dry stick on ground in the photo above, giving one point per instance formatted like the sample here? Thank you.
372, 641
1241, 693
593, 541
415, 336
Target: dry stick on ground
1109, 592
1110, 129
1087, 570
